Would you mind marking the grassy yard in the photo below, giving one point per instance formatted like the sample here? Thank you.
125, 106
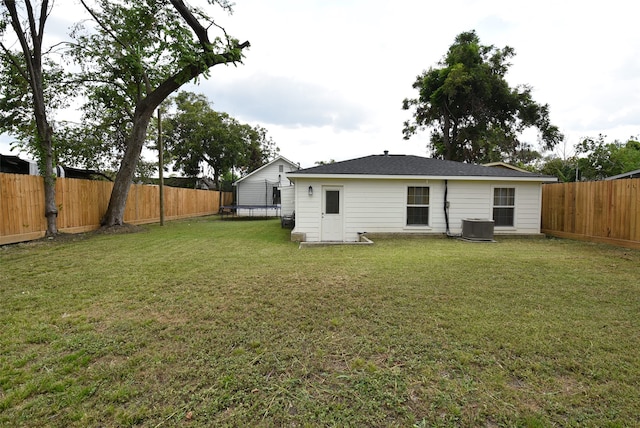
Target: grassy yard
212, 323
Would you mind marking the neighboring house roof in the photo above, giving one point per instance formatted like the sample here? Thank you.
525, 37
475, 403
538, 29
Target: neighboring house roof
630, 174
295, 165
504, 165
85, 174
399, 166
15, 165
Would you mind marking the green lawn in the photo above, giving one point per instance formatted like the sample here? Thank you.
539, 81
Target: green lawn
213, 323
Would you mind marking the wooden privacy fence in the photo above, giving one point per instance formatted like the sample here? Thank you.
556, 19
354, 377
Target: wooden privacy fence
599, 211
81, 204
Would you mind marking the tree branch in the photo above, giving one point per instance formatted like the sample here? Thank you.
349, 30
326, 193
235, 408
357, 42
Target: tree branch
15, 62
124, 45
103, 26
193, 22
44, 14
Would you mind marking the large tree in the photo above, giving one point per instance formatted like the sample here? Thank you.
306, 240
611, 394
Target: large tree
27, 90
138, 55
601, 159
472, 112
197, 136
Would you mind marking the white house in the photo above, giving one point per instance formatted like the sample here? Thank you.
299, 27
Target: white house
259, 192
412, 195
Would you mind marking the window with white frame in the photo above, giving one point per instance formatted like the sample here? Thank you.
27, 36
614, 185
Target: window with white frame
504, 203
417, 206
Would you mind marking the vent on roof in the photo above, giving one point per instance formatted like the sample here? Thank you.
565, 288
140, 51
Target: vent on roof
476, 229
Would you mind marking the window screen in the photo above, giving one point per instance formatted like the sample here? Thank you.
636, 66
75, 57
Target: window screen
417, 206
504, 200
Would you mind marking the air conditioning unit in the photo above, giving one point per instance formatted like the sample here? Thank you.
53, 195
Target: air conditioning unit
477, 229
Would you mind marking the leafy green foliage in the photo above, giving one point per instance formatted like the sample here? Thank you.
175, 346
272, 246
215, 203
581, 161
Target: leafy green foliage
471, 111
16, 102
196, 135
322, 162
17, 99
122, 58
595, 159
604, 159
563, 169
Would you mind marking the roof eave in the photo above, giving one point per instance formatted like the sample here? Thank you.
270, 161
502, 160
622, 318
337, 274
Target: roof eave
263, 167
545, 179
624, 175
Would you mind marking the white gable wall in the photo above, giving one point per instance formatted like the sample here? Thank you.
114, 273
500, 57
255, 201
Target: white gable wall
379, 206
254, 190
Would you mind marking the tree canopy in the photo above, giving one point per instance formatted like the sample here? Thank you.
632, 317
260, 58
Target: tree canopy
196, 136
601, 159
472, 112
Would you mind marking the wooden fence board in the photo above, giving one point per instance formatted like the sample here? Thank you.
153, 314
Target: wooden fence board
21, 208
634, 207
599, 211
82, 203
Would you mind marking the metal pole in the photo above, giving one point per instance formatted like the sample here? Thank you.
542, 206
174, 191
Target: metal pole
161, 167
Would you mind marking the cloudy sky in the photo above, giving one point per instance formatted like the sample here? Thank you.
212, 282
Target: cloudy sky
327, 78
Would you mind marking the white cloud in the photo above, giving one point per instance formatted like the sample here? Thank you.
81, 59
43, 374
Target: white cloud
289, 102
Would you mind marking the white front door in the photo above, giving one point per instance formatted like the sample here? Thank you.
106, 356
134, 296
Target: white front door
332, 229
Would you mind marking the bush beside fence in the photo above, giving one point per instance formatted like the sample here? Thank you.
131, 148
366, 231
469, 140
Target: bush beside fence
82, 203
599, 211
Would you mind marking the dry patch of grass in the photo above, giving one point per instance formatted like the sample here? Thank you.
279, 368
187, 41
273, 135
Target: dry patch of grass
204, 323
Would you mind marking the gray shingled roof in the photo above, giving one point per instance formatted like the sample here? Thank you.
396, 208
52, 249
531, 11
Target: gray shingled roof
412, 165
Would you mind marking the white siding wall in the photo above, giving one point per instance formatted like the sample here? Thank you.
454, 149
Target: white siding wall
287, 198
528, 209
379, 206
468, 199
474, 199
308, 209
253, 190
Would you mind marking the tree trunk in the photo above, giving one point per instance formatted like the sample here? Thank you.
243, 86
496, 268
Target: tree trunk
45, 134
51, 208
117, 203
